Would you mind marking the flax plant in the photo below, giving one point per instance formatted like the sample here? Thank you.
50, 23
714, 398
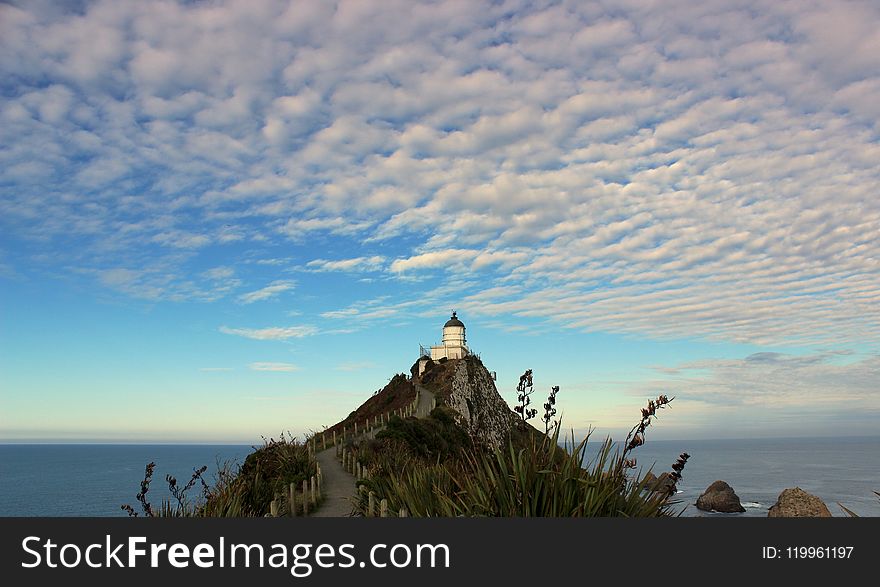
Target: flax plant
542, 479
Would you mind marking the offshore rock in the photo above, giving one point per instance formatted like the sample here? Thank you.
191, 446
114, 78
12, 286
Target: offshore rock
794, 502
665, 483
720, 497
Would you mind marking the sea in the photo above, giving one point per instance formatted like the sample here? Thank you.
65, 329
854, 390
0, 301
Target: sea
842, 471
97, 479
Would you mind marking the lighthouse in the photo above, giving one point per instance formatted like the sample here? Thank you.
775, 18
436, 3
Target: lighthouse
454, 343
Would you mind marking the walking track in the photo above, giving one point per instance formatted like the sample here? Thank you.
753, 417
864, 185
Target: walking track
338, 485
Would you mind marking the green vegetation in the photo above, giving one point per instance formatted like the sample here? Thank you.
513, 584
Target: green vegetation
425, 468
432, 467
437, 436
244, 491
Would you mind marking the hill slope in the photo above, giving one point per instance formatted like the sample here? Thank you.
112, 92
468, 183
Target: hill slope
463, 385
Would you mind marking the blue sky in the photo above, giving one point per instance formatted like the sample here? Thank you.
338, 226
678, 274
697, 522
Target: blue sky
231, 219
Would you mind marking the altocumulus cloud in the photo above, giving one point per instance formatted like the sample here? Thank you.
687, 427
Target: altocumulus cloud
270, 291
773, 393
679, 169
272, 332
355, 264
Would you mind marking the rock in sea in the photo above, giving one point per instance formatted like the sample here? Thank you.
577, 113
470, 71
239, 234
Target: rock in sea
720, 497
665, 483
794, 502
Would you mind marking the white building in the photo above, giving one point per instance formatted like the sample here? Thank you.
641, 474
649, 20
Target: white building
454, 344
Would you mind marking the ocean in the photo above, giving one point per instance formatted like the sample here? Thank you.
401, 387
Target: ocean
96, 479
837, 470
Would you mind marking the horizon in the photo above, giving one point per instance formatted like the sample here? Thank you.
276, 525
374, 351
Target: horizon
50, 442
223, 220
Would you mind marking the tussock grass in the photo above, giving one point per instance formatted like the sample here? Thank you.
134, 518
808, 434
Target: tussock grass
541, 479
238, 491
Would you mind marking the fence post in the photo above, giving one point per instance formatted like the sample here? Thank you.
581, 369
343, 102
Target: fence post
371, 504
273, 508
305, 497
383, 508
314, 489
324, 440
402, 513
334, 437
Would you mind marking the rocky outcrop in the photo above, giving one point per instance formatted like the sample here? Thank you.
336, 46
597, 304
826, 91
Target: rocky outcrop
665, 483
468, 388
794, 502
720, 497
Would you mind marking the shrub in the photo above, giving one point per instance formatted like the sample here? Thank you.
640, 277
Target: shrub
243, 491
435, 437
538, 479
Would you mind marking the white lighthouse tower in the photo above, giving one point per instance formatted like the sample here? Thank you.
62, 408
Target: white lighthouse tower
454, 344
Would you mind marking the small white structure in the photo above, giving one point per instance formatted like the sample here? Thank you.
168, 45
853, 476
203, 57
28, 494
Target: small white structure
454, 344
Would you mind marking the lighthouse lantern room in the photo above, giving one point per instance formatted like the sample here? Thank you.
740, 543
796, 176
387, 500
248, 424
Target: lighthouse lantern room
454, 344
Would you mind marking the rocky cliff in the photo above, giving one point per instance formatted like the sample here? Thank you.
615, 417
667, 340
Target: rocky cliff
466, 386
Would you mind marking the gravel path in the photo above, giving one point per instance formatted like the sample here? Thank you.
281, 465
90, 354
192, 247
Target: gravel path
338, 487
426, 402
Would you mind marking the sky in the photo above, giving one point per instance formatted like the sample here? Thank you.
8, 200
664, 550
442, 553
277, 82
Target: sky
227, 220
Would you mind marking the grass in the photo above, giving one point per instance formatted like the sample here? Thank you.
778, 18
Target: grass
245, 491
437, 436
538, 479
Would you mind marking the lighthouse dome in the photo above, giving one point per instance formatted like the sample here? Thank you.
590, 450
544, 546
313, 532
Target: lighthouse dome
454, 321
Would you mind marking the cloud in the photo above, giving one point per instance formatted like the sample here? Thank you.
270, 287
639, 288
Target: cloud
433, 259
354, 313
372, 263
274, 367
355, 366
299, 229
778, 381
270, 291
219, 273
705, 172
271, 333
